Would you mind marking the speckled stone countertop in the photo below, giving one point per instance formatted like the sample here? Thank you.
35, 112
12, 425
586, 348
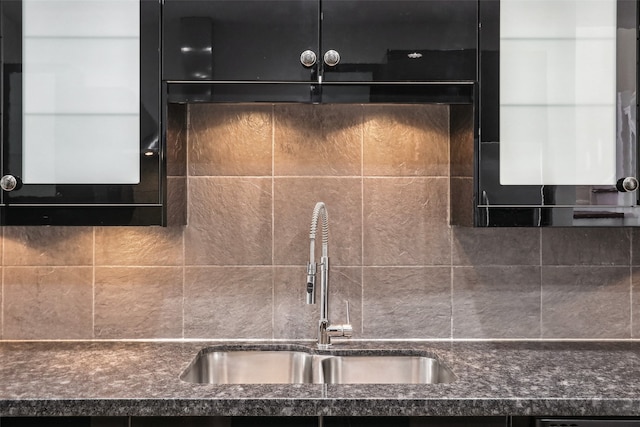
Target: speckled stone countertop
493, 378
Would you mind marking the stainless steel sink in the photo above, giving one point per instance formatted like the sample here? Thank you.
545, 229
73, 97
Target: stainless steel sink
385, 370
296, 367
250, 367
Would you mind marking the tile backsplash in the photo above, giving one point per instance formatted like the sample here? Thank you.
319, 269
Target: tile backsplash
245, 178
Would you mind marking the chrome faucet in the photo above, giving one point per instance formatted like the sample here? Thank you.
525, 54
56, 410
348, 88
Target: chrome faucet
325, 329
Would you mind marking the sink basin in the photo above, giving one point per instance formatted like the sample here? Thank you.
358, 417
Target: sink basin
298, 367
250, 367
385, 370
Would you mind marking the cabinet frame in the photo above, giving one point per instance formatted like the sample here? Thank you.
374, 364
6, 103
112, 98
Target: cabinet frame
344, 83
85, 204
496, 205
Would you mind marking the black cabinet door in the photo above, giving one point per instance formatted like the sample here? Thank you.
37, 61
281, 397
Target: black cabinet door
240, 40
501, 204
48, 111
376, 40
398, 40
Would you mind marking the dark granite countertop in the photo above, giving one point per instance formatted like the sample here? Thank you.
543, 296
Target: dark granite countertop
493, 378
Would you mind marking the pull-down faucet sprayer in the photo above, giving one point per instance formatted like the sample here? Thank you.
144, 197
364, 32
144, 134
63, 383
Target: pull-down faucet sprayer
325, 329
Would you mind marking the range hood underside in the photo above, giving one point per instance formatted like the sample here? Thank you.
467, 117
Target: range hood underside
458, 92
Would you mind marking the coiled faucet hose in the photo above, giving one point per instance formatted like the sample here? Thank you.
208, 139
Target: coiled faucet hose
320, 211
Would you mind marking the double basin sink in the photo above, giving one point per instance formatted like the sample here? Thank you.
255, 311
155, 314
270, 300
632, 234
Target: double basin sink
253, 366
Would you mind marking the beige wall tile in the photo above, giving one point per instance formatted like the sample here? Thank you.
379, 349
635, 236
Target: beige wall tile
177, 140
294, 201
47, 303
496, 302
138, 246
138, 302
635, 249
228, 302
635, 302
293, 318
406, 302
461, 209
586, 302
586, 246
229, 222
63, 246
314, 140
406, 140
462, 143
177, 203
230, 139
406, 222
496, 246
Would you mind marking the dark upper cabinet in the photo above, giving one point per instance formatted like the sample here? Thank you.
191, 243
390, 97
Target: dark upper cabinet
81, 128
240, 40
343, 40
557, 117
400, 40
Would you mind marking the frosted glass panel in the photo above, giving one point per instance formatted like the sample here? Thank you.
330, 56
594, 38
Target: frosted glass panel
81, 86
78, 75
557, 19
546, 145
81, 149
557, 72
81, 18
558, 92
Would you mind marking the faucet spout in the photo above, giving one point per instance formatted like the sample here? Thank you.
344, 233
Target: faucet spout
325, 329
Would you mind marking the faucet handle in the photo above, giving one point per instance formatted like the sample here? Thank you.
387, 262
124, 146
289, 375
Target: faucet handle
347, 329
348, 317
344, 330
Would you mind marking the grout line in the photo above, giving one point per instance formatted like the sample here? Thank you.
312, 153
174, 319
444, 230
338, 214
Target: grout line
273, 221
337, 177
540, 281
449, 148
187, 122
186, 154
304, 265
53, 267
630, 285
294, 340
184, 283
93, 285
449, 221
452, 303
362, 231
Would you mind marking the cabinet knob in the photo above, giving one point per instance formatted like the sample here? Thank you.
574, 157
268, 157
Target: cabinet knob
308, 58
627, 184
331, 58
9, 182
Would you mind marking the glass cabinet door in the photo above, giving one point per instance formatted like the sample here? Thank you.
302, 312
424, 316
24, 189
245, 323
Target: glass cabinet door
377, 40
558, 142
80, 92
81, 106
241, 40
